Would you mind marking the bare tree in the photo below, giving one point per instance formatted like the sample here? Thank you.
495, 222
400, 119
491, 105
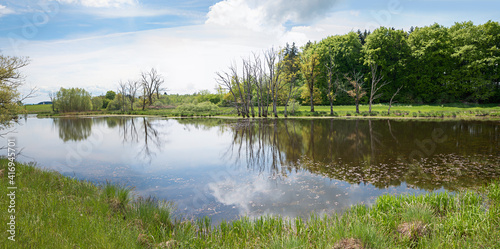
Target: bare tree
52, 97
236, 79
375, 85
262, 86
248, 84
275, 67
309, 68
390, 102
333, 85
132, 87
122, 89
224, 79
291, 68
151, 83
358, 91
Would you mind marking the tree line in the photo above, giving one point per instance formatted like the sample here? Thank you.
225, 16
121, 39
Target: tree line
432, 64
130, 94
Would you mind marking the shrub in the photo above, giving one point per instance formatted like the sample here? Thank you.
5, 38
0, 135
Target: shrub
200, 108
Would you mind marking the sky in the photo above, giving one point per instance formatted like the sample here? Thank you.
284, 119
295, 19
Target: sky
95, 44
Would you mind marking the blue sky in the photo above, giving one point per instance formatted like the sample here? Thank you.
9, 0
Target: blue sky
96, 43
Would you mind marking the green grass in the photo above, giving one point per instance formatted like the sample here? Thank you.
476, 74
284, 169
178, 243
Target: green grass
448, 111
53, 211
47, 108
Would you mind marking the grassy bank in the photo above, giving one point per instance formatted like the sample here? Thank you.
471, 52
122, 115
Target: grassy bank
53, 211
457, 111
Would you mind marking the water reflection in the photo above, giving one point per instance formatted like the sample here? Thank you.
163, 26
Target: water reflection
142, 132
426, 155
73, 129
225, 168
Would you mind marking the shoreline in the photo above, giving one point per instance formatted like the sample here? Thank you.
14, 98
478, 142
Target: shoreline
458, 118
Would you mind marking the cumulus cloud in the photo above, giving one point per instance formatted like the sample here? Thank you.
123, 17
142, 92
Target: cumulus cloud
262, 15
100, 3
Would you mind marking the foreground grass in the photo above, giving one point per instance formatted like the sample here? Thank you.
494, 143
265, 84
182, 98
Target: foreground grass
53, 211
460, 111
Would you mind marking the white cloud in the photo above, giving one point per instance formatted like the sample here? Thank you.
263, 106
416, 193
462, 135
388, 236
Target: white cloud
100, 3
262, 15
5, 11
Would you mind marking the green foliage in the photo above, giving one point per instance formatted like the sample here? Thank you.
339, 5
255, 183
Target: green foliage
206, 96
110, 95
10, 82
97, 103
119, 103
73, 99
388, 48
206, 108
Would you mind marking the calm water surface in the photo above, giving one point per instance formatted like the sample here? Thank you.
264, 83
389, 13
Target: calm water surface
226, 168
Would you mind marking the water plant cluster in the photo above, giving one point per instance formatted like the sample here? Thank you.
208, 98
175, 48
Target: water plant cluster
74, 213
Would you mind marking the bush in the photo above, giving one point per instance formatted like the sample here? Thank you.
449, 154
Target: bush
201, 108
374, 113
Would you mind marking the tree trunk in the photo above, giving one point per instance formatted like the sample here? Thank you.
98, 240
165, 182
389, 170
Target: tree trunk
312, 101
357, 104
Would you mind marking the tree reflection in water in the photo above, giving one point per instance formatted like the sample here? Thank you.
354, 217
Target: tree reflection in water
142, 132
380, 152
73, 129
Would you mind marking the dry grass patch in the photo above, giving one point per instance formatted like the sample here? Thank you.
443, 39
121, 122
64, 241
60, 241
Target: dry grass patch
412, 230
349, 243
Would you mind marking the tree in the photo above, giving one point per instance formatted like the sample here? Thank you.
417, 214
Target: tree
333, 85
132, 87
476, 54
310, 69
118, 104
151, 83
52, 97
261, 86
73, 99
390, 102
225, 80
389, 50
97, 102
376, 85
356, 80
248, 85
291, 70
122, 90
11, 80
274, 65
343, 54
110, 96
431, 63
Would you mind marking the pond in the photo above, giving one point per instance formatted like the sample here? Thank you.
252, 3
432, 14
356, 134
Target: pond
224, 168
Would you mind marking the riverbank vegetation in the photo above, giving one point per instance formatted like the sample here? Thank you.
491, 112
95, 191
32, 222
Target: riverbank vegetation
58, 212
208, 109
